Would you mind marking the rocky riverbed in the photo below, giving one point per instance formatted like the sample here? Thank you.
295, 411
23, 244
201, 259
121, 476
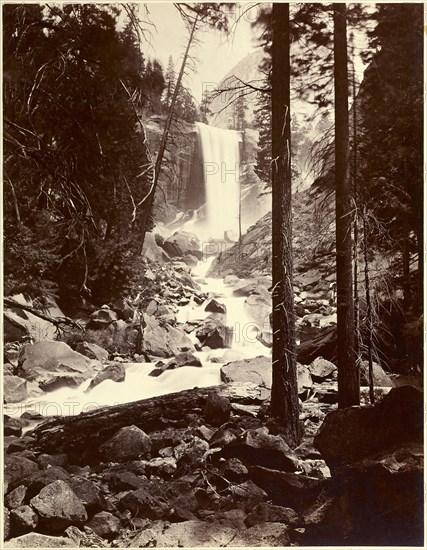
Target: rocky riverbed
148, 425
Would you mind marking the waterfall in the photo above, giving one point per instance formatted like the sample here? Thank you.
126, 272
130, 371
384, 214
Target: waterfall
221, 167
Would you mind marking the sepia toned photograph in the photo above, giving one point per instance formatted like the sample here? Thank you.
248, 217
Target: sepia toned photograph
213, 274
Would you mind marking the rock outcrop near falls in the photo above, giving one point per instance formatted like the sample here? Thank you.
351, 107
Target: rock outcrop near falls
313, 246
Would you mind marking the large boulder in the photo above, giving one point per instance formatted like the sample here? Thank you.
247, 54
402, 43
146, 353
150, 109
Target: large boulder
182, 243
217, 410
54, 364
186, 358
93, 351
348, 435
263, 534
163, 341
258, 447
115, 372
152, 251
17, 468
321, 369
101, 318
37, 540
58, 507
105, 525
214, 333
258, 371
290, 489
377, 501
258, 306
380, 377
214, 306
322, 344
254, 286
19, 323
193, 533
23, 519
129, 443
14, 389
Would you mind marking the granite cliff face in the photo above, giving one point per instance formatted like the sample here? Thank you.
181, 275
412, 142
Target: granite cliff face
313, 241
247, 71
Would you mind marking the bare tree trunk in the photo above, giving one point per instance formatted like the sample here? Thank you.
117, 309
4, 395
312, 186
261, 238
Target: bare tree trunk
348, 374
356, 226
284, 392
368, 311
406, 258
158, 164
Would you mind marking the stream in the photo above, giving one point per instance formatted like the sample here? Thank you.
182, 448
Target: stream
138, 384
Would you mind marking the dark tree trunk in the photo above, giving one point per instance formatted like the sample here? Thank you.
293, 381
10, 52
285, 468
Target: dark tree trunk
284, 393
406, 259
369, 313
348, 374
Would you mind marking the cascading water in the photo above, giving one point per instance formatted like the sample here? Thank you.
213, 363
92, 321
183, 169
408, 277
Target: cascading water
221, 171
221, 165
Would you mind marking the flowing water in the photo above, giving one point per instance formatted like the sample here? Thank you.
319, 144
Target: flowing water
221, 178
138, 384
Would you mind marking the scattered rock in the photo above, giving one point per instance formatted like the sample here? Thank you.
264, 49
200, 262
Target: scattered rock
164, 341
215, 307
214, 333
190, 260
256, 370
6, 523
305, 381
23, 519
16, 497
143, 504
115, 372
14, 389
162, 467
89, 494
152, 251
217, 410
231, 280
264, 534
321, 369
18, 468
185, 358
234, 470
58, 507
267, 512
105, 525
129, 443
12, 426
258, 447
258, 306
45, 460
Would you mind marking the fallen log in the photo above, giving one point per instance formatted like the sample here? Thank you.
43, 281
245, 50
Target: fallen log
57, 321
80, 436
